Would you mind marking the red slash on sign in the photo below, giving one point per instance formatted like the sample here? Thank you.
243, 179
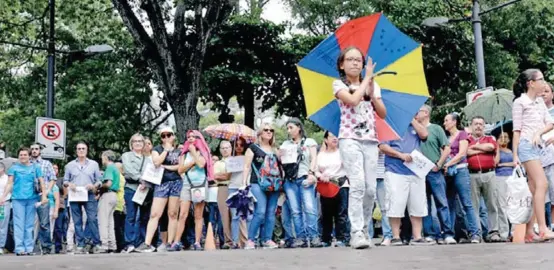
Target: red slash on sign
50, 131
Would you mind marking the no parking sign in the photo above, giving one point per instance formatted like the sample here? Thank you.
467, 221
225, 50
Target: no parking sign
51, 134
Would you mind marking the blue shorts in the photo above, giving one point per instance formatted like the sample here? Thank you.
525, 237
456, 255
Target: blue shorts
526, 151
168, 189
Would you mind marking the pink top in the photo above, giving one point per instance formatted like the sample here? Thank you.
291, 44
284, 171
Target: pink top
529, 116
356, 122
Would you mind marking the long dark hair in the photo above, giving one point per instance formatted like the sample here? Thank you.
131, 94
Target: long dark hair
340, 60
521, 84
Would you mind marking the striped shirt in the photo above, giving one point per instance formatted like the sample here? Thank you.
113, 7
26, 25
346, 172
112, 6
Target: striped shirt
47, 169
529, 116
381, 166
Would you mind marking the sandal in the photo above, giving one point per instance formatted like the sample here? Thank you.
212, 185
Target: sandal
546, 236
533, 238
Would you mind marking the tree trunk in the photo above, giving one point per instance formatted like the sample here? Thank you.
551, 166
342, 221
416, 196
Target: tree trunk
185, 112
249, 110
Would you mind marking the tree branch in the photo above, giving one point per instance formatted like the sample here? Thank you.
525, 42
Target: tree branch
450, 104
149, 47
157, 125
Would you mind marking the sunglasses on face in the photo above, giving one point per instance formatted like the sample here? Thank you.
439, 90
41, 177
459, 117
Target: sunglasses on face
35, 148
269, 130
166, 135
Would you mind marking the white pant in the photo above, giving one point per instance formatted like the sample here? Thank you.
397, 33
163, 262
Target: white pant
359, 159
405, 191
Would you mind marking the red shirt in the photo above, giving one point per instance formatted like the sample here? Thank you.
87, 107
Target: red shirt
482, 161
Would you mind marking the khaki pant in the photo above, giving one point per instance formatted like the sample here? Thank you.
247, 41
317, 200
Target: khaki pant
484, 184
106, 208
222, 194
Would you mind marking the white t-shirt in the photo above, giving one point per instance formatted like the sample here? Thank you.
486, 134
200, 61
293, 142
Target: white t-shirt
3, 183
330, 163
304, 166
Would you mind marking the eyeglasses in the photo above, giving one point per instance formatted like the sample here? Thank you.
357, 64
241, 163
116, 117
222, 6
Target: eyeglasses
35, 148
269, 130
225, 148
166, 135
137, 141
538, 79
81, 149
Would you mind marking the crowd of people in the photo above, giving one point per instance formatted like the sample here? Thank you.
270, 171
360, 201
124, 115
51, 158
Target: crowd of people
326, 196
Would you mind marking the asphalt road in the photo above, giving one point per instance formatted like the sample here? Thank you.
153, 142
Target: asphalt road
466, 257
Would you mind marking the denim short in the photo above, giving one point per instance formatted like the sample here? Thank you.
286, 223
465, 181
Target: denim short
526, 151
168, 189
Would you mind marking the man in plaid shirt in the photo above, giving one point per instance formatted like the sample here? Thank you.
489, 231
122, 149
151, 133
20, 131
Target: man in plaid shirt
42, 233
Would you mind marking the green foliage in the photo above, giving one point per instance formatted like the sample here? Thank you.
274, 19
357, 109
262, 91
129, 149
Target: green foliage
104, 98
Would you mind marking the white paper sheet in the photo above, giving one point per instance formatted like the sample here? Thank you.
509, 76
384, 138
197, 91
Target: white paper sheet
420, 164
234, 164
289, 154
152, 174
140, 195
79, 195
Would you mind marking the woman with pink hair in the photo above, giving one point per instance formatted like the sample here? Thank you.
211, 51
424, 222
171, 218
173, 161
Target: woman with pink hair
197, 166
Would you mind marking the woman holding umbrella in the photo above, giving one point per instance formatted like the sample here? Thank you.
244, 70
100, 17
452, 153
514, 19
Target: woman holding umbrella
358, 98
531, 121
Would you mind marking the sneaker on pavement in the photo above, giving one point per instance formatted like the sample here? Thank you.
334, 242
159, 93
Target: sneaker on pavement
475, 239
340, 244
359, 241
250, 245
197, 246
441, 241
161, 248
396, 242
270, 245
175, 247
386, 242
316, 243
450, 240
144, 248
421, 242
130, 249
299, 243
1, 251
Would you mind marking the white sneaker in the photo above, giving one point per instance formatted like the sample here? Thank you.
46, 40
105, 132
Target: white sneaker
359, 241
1, 251
450, 240
130, 249
162, 248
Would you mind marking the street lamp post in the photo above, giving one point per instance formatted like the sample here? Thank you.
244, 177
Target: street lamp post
51, 62
477, 34
94, 49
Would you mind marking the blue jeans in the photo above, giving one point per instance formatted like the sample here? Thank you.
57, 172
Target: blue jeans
266, 204
24, 212
43, 213
90, 235
385, 225
286, 217
136, 219
4, 224
214, 217
303, 204
334, 214
60, 229
235, 220
459, 185
436, 186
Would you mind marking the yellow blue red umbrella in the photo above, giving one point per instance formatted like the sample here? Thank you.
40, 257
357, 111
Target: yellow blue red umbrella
391, 50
